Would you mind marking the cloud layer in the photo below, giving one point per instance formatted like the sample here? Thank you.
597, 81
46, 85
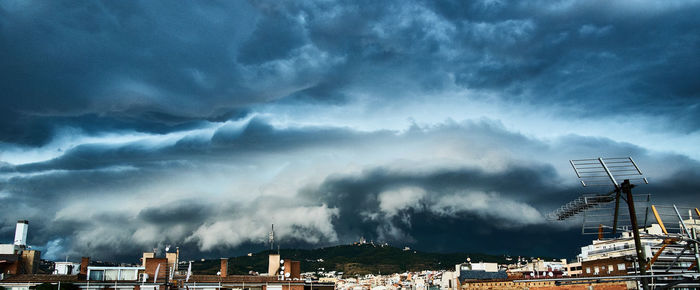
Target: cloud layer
129, 126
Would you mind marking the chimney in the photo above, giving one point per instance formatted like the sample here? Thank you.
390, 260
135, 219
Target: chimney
21, 233
84, 263
296, 270
293, 268
224, 267
273, 264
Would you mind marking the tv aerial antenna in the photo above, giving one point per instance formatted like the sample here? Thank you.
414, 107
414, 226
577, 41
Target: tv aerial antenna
605, 172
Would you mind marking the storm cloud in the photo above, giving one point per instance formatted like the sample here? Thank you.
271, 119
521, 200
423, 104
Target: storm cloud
126, 126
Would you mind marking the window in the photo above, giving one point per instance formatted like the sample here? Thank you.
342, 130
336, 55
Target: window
97, 275
112, 274
128, 274
588, 270
596, 270
621, 266
610, 268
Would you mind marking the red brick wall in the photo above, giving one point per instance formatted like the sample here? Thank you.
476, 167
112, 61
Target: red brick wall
10, 268
544, 285
152, 264
84, 263
601, 286
603, 266
296, 270
224, 267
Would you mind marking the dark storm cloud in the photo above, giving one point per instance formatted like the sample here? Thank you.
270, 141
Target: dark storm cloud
183, 211
390, 203
369, 204
257, 137
426, 222
185, 68
579, 57
207, 61
128, 62
529, 46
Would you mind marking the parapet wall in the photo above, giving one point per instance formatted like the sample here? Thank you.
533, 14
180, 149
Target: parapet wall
546, 285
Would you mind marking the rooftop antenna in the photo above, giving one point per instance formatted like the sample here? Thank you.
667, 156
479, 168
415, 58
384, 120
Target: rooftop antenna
605, 172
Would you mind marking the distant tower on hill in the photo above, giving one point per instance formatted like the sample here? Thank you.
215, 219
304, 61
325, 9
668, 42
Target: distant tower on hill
271, 238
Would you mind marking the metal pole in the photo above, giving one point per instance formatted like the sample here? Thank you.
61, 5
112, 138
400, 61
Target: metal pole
695, 246
627, 189
680, 219
617, 209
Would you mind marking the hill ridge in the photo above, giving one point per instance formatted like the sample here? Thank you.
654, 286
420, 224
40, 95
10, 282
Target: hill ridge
350, 259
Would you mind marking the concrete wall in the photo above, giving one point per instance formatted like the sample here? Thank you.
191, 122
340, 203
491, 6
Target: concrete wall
146, 255
7, 249
172, 260
30, 261
66, 268
273, 265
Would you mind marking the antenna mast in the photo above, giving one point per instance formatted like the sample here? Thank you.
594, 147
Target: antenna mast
271, 238
605, 172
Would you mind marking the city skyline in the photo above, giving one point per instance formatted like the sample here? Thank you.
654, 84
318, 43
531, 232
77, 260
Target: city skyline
444, 126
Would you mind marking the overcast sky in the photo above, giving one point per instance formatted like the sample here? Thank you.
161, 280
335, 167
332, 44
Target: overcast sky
440, 125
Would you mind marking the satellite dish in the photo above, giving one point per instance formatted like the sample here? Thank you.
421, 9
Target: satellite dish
281, 261
551, 274
282, 267
167, 248
281, 272
532, 274
286, 275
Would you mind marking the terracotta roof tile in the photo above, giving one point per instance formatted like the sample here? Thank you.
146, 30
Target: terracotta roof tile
40, 278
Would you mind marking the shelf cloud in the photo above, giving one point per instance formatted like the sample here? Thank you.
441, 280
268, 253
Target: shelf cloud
126, 126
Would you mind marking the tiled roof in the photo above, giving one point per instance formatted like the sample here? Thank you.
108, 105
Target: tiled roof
22, 278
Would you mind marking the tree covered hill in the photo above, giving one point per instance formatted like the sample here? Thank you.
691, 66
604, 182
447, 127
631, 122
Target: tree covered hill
350, 259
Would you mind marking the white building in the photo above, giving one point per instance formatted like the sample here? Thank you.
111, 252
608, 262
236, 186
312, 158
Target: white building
98, 273
621, 247
20, 241
66, 268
